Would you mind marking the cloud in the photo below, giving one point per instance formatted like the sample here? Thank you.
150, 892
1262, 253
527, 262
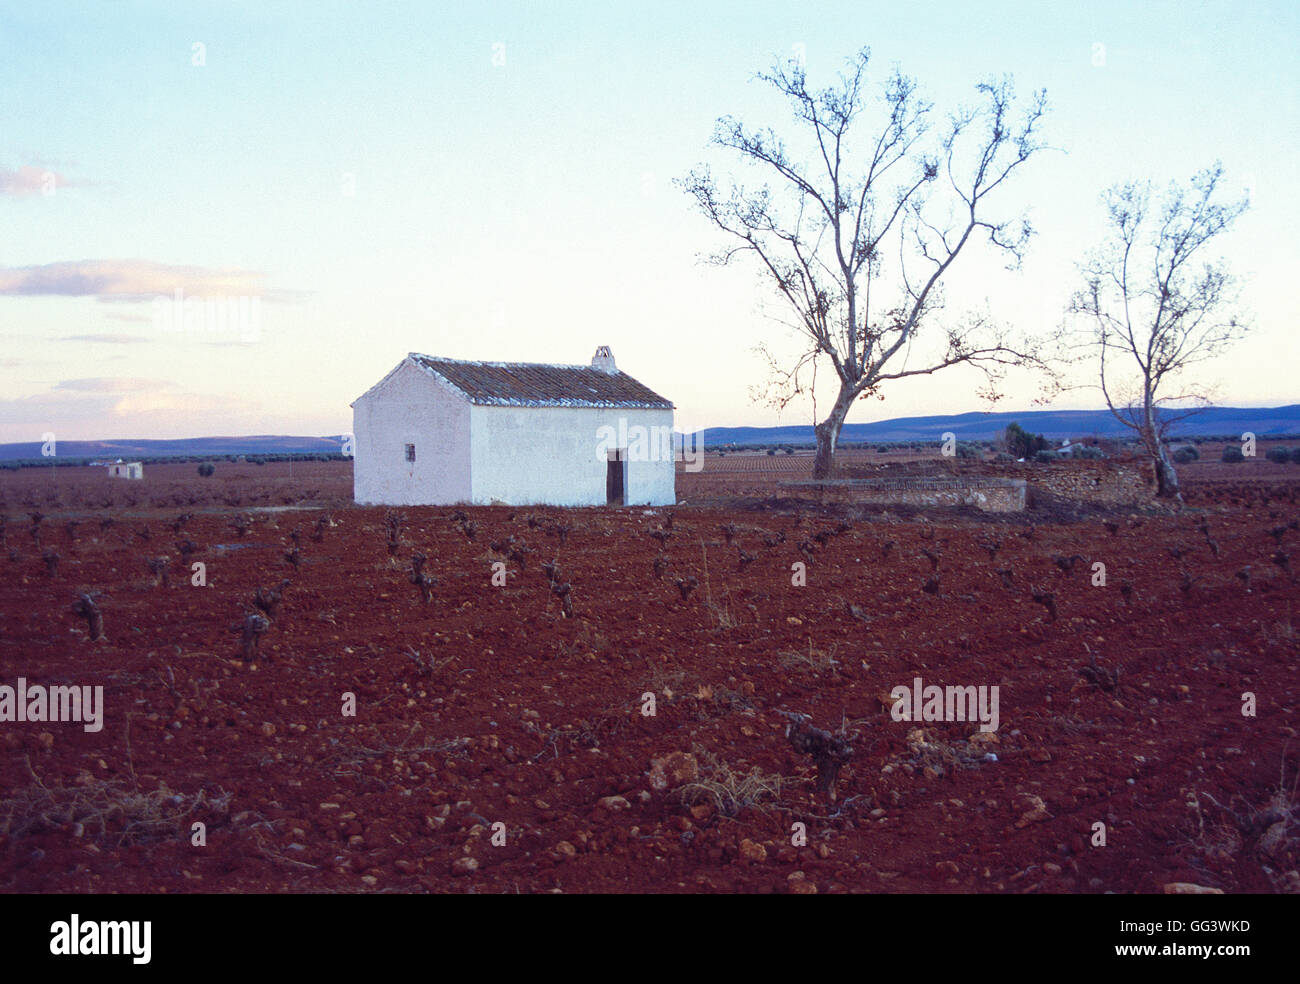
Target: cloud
107, 339
111, 384
28, 180
95, 407
134, 280
159, 401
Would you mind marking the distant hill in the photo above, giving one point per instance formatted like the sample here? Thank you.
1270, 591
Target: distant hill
132, 450
1056, 424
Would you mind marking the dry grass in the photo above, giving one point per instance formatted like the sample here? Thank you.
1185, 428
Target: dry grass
112, 809
729, 791
664, 682
1270, 832
926, 750
723, 618
413, 747
816, 660
429, 665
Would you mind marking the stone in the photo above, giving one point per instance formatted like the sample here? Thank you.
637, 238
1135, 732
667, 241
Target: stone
753, 852
673, 770
1190, 888
797, 883
1274, 840
1036, 811
464, 866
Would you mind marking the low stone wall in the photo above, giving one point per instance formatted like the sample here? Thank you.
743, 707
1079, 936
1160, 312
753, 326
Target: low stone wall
1127, 482
985, 492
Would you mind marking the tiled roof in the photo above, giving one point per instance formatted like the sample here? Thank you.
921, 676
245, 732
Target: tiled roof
533, 384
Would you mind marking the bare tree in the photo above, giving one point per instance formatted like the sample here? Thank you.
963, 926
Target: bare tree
857, 247
1152, 308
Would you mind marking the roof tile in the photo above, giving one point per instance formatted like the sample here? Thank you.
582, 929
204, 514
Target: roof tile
534, 384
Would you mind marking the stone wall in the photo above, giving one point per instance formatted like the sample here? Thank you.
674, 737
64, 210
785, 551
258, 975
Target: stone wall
987, 493
1127, 482
1121, 483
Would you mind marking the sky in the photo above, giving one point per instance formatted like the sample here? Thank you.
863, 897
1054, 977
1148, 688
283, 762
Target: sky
335, 185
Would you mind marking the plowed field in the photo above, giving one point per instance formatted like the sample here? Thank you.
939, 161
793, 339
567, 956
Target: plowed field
485, 742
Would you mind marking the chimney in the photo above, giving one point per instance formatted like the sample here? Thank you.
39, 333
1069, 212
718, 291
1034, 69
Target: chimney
604, 360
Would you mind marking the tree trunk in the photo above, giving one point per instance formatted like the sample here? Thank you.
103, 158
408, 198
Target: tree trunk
828, 435
1166, 478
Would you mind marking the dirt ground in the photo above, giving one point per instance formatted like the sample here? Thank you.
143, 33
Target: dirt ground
497, 745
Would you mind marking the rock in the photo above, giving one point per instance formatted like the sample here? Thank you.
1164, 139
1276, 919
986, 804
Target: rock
1040, 755
673, 770
614, 803
268, 729
751, 851
1190, 888
1052, 868
45, 740
1035, 813
370, 880
565, 850
1273, 843
797, 883
464, 866
947, 868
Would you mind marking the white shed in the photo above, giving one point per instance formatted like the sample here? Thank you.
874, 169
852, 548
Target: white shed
128, 469
442, 431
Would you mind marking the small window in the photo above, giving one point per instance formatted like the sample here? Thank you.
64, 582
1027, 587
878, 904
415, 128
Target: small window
410, 452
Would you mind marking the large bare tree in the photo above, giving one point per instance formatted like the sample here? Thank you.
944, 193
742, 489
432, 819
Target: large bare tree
1153, 305
856, 243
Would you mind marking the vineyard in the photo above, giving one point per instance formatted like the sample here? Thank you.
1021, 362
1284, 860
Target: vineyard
692, 699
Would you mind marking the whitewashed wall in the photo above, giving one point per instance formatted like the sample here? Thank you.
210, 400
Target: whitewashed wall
548, 455
411, 407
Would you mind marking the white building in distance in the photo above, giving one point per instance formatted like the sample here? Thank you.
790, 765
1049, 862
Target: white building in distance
444, 431
128, 469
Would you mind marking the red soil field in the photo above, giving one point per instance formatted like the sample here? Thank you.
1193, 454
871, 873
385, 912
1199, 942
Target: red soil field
499, 746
